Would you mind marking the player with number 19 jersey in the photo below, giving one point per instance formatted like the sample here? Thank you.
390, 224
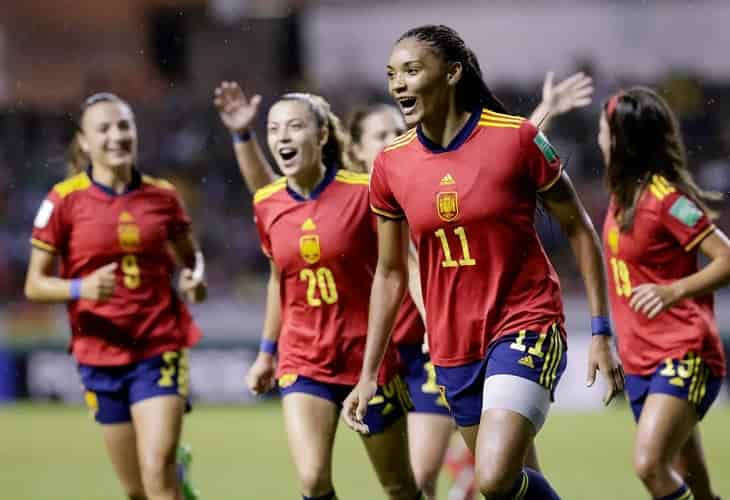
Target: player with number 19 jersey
90, 226
470, 208
325, 249
660, 247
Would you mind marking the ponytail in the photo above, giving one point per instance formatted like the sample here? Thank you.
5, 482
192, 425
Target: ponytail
76, 160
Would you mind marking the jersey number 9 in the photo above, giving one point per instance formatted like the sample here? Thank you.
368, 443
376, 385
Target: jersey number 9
131, 272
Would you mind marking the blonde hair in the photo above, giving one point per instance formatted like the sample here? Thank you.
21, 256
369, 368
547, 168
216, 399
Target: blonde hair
334, 152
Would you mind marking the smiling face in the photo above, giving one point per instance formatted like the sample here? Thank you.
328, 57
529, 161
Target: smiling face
294, 137
108, 134
379, 128
421, 82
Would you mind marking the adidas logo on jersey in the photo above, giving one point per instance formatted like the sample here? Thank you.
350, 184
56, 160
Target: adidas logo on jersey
447, 180
308, 225
527, 361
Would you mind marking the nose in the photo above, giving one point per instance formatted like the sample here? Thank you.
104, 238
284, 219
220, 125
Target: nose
397, 84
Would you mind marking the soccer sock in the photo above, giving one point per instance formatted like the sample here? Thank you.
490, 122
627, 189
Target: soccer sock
683, 493
530, 485
329, 496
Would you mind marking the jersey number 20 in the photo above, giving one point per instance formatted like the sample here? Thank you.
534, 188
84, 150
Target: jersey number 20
321, 280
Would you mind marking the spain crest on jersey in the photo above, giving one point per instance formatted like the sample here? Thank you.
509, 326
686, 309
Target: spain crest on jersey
447, 205
309, 248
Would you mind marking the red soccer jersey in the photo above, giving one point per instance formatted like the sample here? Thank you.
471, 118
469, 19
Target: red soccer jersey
471, 209
88, 227
325, 249
661, 247
409, 327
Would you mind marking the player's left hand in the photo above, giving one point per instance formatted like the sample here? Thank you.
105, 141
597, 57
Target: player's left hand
576, 91
602, 358
192, 287
651, 299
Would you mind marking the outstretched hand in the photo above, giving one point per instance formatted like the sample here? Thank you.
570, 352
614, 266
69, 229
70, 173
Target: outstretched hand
576, 91
237, 111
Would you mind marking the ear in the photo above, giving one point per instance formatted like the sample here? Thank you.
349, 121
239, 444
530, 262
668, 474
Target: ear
324, 135
454, 73
83, 144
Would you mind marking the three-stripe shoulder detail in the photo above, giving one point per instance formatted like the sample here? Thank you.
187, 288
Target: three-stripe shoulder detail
352, 177
491, 118
401, 140
269, 190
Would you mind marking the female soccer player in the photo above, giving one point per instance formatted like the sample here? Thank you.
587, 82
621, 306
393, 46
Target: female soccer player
317, 230
466, 178
110, 227
661, 303
370, 130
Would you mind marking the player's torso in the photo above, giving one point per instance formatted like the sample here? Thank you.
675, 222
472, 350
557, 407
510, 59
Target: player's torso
471, 213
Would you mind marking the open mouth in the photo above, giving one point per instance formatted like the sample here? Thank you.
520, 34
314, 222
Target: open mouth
287, 153
407, 104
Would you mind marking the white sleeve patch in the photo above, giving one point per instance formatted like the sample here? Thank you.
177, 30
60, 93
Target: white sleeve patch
44, 214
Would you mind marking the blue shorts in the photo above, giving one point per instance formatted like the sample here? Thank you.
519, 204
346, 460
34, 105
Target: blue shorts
112, 390
388, 405
420, 377
689, 379
531, 355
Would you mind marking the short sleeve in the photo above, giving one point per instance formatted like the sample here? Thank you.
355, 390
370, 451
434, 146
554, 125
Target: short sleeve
262, 232
179, 221
382, 199
684, 220
50, 232
543, 163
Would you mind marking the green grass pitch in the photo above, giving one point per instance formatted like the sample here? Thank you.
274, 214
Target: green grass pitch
50, 452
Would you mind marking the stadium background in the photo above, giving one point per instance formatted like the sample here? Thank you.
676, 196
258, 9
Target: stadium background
166, 56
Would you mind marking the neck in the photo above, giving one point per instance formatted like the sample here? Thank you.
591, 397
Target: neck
117, 179
442, 128
305, 181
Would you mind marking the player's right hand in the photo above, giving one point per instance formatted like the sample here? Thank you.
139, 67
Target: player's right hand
355, 405
261, 377
237, 112
100, 284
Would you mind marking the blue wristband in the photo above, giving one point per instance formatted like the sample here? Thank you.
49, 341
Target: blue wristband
76, 289
268, 346
600, 325
241, 137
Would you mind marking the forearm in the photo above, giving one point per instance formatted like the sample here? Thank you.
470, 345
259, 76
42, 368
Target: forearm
587, 250
252, 164
414, 282
385, 298
541, 117
48, 289
272, 318
714, 275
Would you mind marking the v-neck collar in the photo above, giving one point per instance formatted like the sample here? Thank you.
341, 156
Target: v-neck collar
329, 176
457, 141
135, 183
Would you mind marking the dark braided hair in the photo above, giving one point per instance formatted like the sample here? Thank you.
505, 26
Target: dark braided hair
471, 91
646, 141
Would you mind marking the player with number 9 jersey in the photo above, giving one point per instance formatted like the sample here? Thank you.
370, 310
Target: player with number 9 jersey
88, 226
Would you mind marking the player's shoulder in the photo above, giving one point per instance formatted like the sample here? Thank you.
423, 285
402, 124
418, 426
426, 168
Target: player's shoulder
158, 183
660, 193
353, 178
269, 190
493, 120
75, 184
401, 142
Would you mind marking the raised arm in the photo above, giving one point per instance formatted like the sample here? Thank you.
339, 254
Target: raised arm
576, 91
563, 203
389, 285
261, 376
237, 113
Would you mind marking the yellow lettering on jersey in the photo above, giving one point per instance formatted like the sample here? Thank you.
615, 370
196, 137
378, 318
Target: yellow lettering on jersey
128, 233
130, 270
466, 259
447, 180
621, 277
309, 248
613, 237
323, 281
447, 205
309, 225
527, 361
